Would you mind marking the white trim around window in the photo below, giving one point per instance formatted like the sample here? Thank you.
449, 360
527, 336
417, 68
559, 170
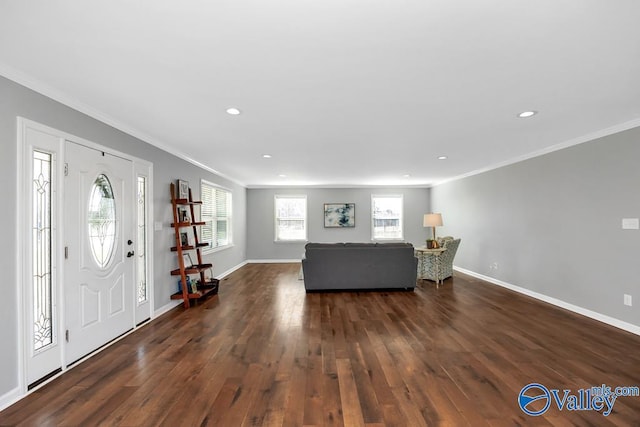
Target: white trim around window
216, 213
387, 217
290, 217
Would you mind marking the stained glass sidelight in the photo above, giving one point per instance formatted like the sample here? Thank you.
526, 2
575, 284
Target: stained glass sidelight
41, 247
141, 240
102, 221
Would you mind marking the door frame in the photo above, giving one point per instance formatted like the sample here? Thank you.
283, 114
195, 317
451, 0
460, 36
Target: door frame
23, 244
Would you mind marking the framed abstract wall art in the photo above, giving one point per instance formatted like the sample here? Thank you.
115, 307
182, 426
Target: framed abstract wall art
339, 215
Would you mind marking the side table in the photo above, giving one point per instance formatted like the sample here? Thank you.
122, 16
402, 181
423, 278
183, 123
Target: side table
422, 253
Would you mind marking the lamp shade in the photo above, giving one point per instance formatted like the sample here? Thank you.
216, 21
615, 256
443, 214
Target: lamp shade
432, 220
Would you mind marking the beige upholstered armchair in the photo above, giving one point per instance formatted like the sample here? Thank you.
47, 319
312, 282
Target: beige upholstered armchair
439, 266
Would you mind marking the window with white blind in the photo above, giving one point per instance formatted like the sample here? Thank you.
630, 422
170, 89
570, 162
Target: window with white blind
291, 218
216, 214
386, 217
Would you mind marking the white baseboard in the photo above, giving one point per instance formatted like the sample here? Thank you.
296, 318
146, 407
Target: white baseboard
165, 308
273, 261
15, 395
9, 398
231, 270
612, 321
19, 395
174, 303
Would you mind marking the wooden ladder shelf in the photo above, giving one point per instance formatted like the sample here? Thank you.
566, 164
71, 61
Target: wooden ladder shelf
205, 286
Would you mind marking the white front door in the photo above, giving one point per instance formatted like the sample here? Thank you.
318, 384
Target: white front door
99, 249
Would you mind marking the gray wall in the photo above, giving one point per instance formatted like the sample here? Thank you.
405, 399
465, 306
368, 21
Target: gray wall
16, 100
553, 224
260, 218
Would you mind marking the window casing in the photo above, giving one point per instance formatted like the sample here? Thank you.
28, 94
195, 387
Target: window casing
290, 218
387, 217
216, 214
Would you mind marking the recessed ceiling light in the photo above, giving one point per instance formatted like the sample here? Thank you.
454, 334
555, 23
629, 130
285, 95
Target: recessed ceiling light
526, 114
266, 156
282, 175
442, 157
406, 175
233, 111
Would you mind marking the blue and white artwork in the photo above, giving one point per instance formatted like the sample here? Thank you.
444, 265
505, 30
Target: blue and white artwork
339, 215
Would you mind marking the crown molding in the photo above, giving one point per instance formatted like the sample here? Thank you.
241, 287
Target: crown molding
38, 86
557, 147
335, 186
64, 99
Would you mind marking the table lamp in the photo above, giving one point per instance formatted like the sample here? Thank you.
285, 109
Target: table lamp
432, 220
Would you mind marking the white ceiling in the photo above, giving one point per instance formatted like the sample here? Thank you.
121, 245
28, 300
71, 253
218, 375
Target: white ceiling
339, 92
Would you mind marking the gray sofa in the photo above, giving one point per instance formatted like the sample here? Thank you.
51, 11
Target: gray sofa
359, 266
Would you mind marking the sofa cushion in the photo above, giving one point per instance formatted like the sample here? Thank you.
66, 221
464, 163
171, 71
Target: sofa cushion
323, 245
359, 245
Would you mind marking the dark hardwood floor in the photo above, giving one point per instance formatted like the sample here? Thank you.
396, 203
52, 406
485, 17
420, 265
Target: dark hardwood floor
264, 352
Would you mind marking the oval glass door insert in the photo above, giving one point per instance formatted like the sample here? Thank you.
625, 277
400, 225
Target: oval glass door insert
102, 221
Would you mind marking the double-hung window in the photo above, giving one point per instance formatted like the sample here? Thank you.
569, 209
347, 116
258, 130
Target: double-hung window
216, 214
386, 217
291, 218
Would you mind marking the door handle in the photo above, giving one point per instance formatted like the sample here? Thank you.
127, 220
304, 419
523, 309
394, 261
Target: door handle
129, 254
